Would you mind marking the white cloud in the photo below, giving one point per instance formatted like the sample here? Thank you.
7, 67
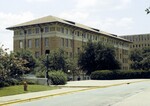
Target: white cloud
113, 25
122, 4
37, 1
7, 20
89, 5
85, 3
125, 23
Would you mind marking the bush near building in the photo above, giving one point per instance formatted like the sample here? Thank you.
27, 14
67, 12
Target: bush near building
109, 75
58, 77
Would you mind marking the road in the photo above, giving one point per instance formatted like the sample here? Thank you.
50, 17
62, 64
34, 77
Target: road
97, 97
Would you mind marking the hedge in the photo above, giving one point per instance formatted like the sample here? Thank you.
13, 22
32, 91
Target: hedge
129, 74
9, 82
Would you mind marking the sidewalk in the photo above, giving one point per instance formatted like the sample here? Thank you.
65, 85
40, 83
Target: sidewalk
70, 87
100, 83
140, 99
36, 95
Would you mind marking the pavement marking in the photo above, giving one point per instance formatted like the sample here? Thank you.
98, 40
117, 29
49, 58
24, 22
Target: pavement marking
63, 93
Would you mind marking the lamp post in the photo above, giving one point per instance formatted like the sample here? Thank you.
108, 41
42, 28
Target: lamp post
46, 74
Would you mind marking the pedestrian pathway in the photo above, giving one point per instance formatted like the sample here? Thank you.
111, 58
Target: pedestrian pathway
101, 83
36, 95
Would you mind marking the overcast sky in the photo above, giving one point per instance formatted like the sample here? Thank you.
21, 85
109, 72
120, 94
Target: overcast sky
121, 17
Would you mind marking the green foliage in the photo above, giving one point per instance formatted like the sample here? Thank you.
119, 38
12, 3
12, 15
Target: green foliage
40, 74
102, 74
128, 74
140, 59
87, 58
56, 61
11, 68
31, 63
14, 90
9, 82
97, 56
58, 77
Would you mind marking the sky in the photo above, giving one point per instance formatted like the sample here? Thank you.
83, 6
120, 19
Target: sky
120, 17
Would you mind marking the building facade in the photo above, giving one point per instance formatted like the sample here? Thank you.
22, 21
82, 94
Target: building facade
139, 40
51, 33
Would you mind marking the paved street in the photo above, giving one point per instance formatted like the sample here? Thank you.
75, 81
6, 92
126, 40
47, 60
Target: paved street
115, 95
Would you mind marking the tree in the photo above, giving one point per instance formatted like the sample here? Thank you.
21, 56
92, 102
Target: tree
140, 59
27, 55
72, 67
97, 56
56, 60
105, 57
11, 66
87, 58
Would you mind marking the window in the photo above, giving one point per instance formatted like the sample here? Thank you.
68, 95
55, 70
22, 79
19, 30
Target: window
66, 31
53, 29
84, 35
62, 42
21, 32
58, 28
87, 36
62, 30
90, 37
96, 38
37, 54
66, 42
37, 30
46, 42
37, 43
78, 33
71, 43
30, 43
29, 31
20, 44
46, 29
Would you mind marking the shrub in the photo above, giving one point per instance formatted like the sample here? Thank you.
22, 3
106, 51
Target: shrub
58, 77
119, 74
102, 75
2, 84
12, 81
40, 74
31, 82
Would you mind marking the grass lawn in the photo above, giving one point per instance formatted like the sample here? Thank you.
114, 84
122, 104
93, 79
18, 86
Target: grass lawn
13, 90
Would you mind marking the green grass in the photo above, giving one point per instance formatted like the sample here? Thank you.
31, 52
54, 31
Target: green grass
14, 90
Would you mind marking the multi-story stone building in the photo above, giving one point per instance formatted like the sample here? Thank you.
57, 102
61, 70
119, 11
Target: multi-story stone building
139, 40
51, 33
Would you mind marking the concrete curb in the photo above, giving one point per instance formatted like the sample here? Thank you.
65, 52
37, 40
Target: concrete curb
101, 86
63, 93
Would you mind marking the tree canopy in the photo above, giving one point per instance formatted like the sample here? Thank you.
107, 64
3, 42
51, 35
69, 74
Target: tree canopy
11, 66
56, 60
27, 55
98, 56
140, 59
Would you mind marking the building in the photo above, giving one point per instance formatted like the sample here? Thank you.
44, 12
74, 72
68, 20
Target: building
139, 40
51, 33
